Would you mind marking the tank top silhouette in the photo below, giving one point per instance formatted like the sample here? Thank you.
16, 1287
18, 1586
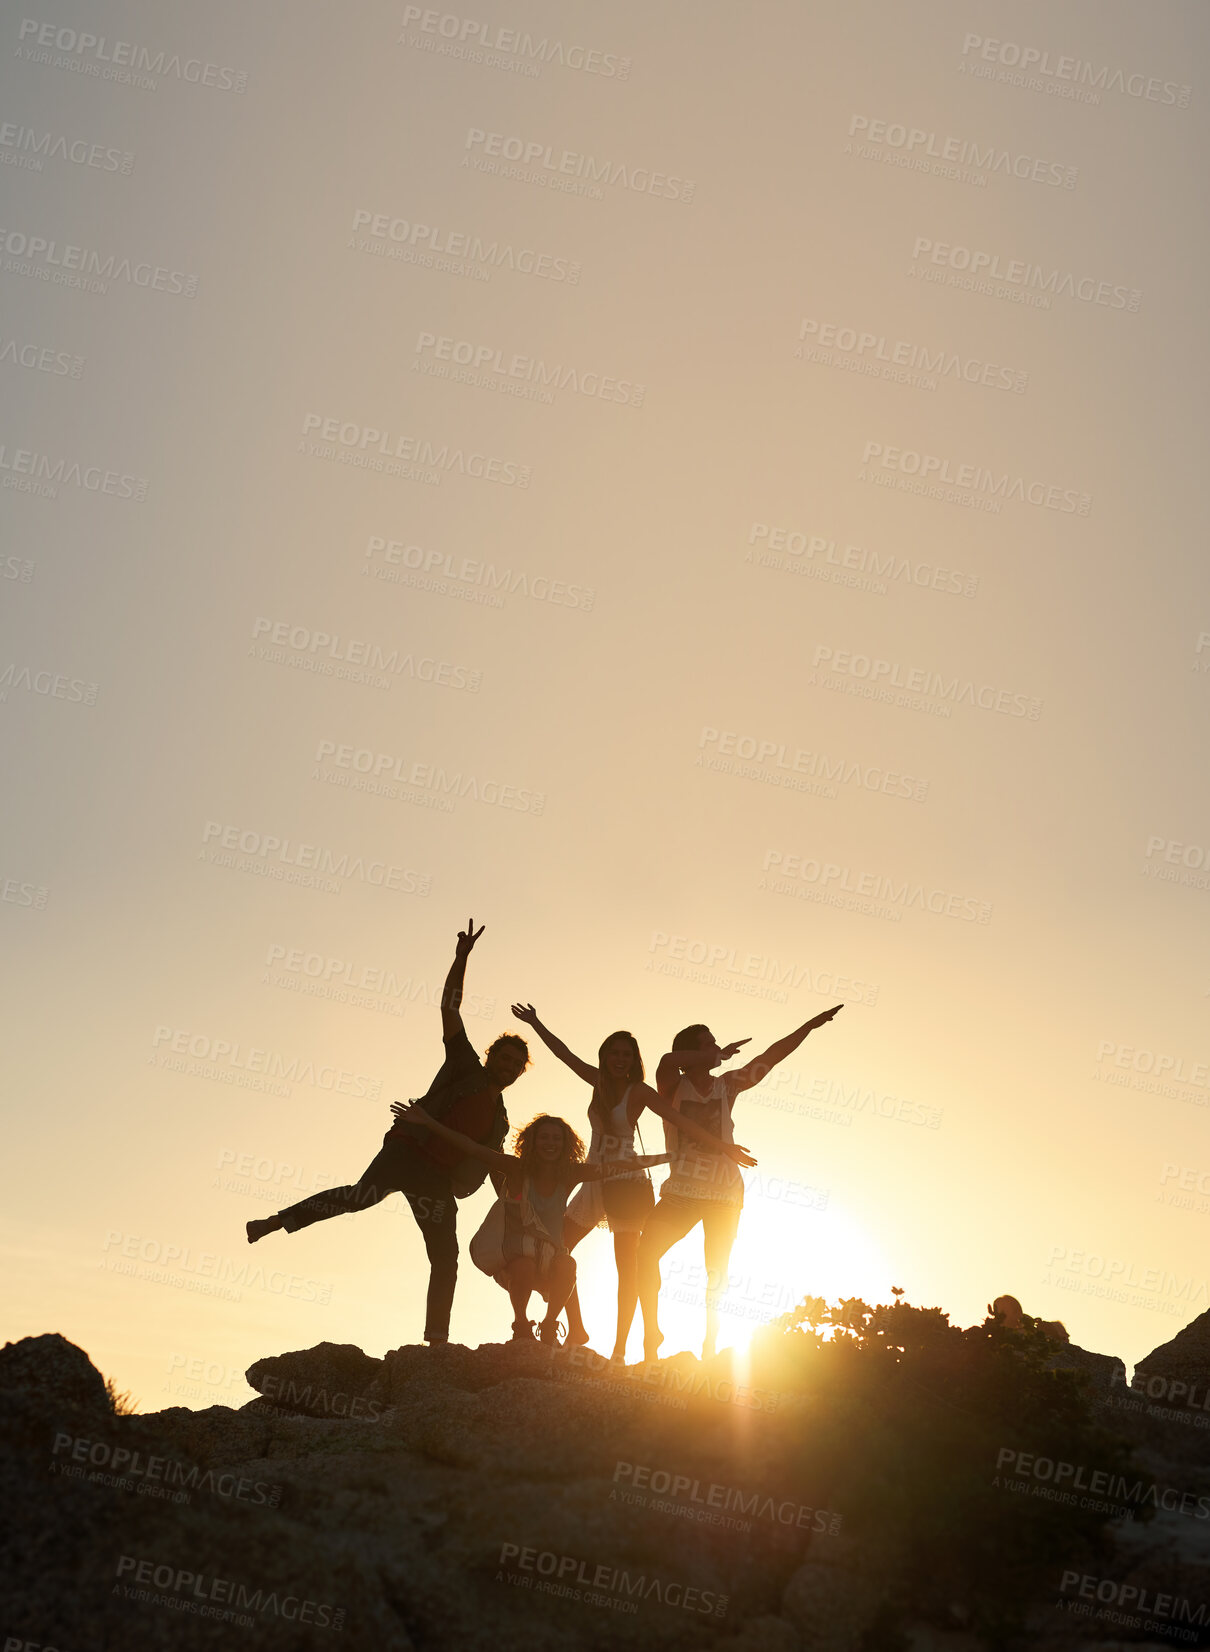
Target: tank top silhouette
612, 1132
696, 1173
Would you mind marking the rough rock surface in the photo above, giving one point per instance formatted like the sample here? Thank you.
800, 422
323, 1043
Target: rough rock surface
1186, 1359
486, 1497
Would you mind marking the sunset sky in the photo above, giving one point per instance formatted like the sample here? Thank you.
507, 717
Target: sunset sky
746, 552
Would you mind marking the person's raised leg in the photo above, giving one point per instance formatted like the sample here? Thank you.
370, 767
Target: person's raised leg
719, 1227
669, 1222
577, 1336
380, 1178
626, 1256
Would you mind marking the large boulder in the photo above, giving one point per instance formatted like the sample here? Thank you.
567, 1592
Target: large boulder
52, 1377
332, 1379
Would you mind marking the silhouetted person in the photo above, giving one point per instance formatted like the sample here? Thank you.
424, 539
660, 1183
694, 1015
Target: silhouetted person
704, 1187
431, 1173
1012, 1316
529, 1254
625, 1200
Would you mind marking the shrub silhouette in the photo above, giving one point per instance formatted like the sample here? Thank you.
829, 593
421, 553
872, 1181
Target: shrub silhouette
918, 1411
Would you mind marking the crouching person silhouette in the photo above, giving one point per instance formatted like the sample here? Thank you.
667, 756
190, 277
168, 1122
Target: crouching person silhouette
429, 1171
520, 1244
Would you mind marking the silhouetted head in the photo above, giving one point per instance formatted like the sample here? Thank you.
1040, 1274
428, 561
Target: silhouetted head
699, 1037
1008, 1311
619, 1064
619, 1059
548, 1142
506, 1059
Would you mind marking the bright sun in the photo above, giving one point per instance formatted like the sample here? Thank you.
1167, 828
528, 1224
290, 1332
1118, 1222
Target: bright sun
782, 1254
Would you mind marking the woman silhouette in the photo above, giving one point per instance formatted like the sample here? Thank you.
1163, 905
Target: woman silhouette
625, 1200
530, 1252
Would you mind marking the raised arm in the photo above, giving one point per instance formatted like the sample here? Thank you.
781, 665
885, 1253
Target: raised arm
451, 996
556, 1046
415, 1114
743, 1078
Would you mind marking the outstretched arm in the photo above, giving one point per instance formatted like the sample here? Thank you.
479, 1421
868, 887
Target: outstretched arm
704, 1138
618, 1167
676, 1062
743, 1078
451, 997
556, 1046
415, 1114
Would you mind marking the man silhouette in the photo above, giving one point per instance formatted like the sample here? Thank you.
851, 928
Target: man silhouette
466, 1095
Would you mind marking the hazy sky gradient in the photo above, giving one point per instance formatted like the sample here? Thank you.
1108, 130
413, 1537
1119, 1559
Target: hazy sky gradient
975, 1145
